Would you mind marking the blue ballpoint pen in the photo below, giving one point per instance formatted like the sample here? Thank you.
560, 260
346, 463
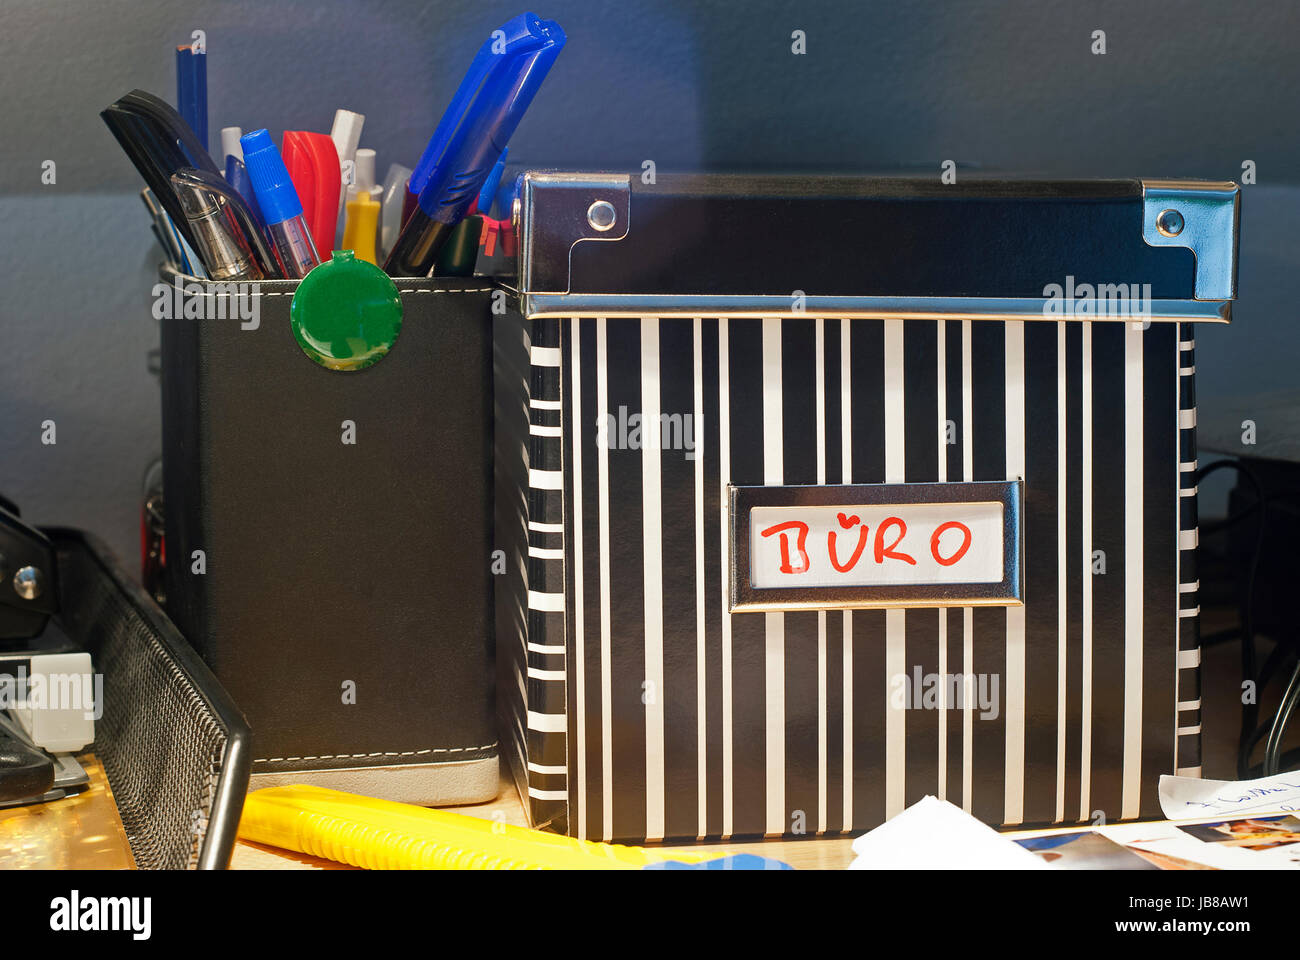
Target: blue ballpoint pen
286, 227
482, 126
237, 177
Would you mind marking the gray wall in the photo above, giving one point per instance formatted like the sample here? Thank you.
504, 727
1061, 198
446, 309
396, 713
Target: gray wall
1185, 89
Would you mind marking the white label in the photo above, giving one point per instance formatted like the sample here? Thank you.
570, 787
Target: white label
875, 544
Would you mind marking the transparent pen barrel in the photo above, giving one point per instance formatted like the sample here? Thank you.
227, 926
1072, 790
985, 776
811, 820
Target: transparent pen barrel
222, 246
294, 250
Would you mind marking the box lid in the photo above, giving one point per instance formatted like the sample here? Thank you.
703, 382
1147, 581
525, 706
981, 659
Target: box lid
600, 244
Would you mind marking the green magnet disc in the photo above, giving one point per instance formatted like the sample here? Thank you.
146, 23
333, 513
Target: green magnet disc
346, 313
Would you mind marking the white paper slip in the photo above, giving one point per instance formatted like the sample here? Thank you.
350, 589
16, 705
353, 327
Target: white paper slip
933, 834
1184, 798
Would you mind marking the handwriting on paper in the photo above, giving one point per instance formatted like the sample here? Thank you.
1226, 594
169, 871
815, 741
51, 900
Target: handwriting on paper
1182, 798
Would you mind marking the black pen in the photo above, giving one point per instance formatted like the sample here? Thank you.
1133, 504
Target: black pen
158, 142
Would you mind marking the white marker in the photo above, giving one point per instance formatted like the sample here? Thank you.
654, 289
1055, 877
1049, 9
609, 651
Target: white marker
346, 134
230, 145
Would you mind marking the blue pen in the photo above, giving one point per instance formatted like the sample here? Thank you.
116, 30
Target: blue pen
495, 55
192, 91
238, 178
486, 118
488, 194
286, 227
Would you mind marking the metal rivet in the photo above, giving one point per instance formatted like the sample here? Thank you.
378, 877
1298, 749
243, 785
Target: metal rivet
601, 215
29, 582
1170, 223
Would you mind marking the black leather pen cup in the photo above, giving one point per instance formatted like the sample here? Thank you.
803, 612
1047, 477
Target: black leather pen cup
329, 537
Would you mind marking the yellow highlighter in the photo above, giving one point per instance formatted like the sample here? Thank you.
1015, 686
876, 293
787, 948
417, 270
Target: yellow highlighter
361, 209
384, 835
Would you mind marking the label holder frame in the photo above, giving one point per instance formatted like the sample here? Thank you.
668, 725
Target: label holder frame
745, 598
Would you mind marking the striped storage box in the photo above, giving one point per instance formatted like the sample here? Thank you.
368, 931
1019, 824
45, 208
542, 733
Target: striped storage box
675, 371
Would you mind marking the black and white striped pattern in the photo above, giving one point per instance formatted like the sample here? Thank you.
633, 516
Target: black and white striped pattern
546, 654
684, 721
1189, 603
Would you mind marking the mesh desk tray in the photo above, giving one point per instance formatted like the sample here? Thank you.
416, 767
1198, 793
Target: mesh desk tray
173, 744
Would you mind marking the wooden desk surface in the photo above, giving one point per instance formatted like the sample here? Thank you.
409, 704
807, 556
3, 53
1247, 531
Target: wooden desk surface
81, 832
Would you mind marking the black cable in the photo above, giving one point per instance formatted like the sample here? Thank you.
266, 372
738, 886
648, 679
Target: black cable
1290, 759
1276, 499
1280, 652
1280, 720
1249, 667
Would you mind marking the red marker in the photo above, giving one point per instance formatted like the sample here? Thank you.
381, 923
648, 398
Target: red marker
313, 164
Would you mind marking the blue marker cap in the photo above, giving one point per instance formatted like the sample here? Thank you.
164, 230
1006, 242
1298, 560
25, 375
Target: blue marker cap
490, 119
508, 41
276, 196
506, 194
